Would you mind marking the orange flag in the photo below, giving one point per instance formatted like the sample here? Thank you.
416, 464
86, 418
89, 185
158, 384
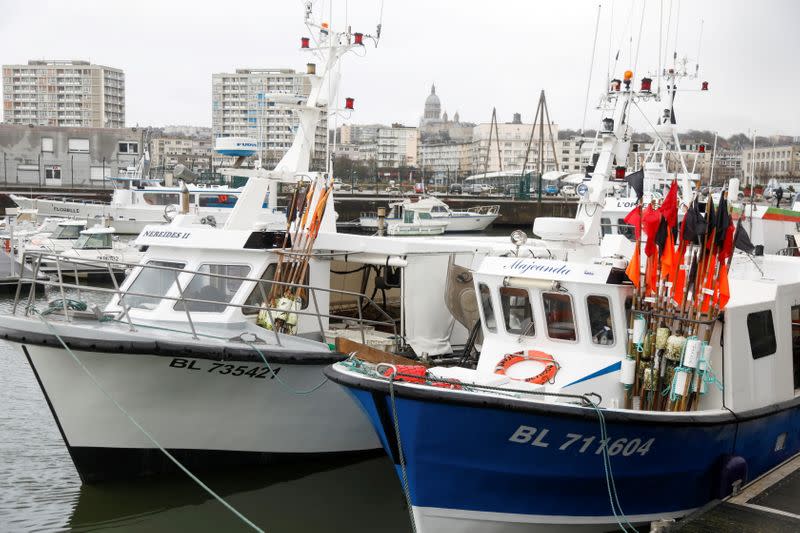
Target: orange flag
724, 291
679, 284
707, 291
651, 274
668, 258
634, 270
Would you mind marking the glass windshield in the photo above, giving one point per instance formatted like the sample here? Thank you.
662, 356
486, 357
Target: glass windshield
600, 320
151, 281
206, 286
217, 200
157, 198
517, 311
559, 316
256, 297
93, 241
488, 309
68, 231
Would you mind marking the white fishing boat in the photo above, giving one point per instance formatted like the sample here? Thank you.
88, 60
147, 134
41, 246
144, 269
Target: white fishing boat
192, 354
476, 218
138, 201
62, 238
98, 252
596, 377
417, 223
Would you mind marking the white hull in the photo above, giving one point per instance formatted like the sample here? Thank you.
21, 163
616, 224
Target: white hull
438, 520
126, 220
456, 224
189, 409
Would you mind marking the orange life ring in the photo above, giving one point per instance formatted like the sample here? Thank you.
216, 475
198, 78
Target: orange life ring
7, 245
547, 375
223, 198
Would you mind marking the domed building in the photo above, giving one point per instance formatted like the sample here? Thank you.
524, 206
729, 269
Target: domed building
433, 107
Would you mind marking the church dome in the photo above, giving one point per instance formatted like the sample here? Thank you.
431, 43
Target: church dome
433, 107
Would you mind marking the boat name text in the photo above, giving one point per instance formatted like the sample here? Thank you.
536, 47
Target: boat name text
580, 443
252, 371
168, 234
66, 209
525, 266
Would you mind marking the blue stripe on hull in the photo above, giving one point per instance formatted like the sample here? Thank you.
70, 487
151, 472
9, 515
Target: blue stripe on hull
463, 457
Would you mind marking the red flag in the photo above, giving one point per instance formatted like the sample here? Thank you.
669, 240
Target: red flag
727, 245
707, 290
634, 270
669, 207
632, 218
724, 291
651, 219
679, 285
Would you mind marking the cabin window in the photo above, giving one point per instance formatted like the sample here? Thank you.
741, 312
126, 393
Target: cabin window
517, 312
93, 241
626, 229
488, 308
796, 345
217, 200
68, 231
762, 334
408, 217
605, 226
600, 321
559, 316
209, 284
156, 281
154, 198
256, 298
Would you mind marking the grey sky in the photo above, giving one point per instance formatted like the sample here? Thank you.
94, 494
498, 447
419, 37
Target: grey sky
479, 54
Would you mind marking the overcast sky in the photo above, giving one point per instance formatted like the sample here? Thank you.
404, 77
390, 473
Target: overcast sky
479, 54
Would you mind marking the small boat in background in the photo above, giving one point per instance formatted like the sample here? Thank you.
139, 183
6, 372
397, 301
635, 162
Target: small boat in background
97, 253
476, 218
415, 223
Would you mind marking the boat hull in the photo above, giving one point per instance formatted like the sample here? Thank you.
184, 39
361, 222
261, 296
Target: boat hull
455, 224
479, 465
211, 413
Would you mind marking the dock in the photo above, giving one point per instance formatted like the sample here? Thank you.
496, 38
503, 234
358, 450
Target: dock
770, 503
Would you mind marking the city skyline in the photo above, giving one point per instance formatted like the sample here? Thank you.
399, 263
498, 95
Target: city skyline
478, 59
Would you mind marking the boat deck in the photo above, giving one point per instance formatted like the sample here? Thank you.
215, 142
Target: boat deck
771, 503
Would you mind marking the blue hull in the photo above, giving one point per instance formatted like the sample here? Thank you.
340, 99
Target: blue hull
548, 461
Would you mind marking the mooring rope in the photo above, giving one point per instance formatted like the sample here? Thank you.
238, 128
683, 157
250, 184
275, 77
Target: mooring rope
143, 430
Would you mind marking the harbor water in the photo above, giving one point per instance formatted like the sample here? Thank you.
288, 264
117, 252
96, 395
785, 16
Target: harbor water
41, 491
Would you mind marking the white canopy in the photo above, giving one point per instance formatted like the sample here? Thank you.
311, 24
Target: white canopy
574, 179
553, 175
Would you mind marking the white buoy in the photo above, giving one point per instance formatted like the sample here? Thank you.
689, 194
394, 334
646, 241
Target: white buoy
627, 371
691, 354
680, 383
639, 326
706, 358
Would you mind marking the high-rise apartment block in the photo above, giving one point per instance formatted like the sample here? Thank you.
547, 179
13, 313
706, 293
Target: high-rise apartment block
64, 93
241, 106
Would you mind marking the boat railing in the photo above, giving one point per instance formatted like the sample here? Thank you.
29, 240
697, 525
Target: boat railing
307, 295
484, 210
368, 214
792, 251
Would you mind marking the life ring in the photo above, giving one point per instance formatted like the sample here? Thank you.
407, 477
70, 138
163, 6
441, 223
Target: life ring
7, 245
223, 198
547, 375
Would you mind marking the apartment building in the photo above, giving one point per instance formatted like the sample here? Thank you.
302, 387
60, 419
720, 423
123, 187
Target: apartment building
64, 93
397, 146
513, 139
193, 152
241, 106
446, 160
772, 161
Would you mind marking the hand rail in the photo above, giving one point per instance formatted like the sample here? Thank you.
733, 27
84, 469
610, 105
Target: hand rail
118, 294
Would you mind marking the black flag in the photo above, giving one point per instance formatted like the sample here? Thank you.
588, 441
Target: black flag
742, 240
661, 234
694, 226
636, 182
723, 220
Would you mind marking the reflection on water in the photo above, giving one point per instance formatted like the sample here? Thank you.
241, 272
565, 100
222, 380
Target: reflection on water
40, 489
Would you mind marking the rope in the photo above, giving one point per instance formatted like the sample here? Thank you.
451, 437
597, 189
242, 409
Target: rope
283, 383
144, 431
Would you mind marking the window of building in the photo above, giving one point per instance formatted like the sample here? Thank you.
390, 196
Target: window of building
78, 146
559, 316
47, 144
517, 312
487, 307
216, 291
600, 321
762, 334
127, 147
151, 281
52, 172
97, 173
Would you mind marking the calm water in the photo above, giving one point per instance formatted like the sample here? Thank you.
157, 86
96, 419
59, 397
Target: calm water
40, 489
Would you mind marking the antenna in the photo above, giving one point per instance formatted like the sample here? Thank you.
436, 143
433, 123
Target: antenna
699, 42
591, 67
